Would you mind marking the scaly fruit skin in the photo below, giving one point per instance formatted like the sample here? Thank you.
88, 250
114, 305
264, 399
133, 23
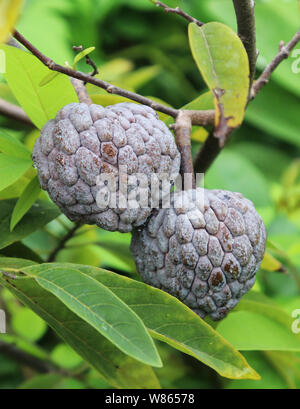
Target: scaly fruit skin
83, 142
205, 249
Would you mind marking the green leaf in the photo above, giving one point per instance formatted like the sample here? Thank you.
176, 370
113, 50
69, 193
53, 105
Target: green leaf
65, 357
232, 171
22, 251
253, 331
255, 321
118, 369
142, 76
24, 73
48, 78
269, 15
12, 146
270, 379
41, 213
203, 102
223, 62
100, 308
28, 325
50, 13
276, 111
9, 14
25, 201
11, 169
81, 55
287, 365
172, 322
106, 100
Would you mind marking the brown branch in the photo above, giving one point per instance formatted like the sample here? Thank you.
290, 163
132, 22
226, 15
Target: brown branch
284, 52
203, 118
179, 12
62, 243
112, 89
197, 117
244, 10
14, 112
207, 154
182, 129
88, 60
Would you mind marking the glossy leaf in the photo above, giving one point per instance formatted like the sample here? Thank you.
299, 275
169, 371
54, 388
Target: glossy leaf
9, 14
232, 171
118, 369
28, 325
12, 146
25, 201
141, 77
41, 213
270, 379
269, 15
287, 365
24, 74
223, 63
22, 251
48, 78
65, 357
11, 169
276, 112
172, 322
100, 308
253, 331
205, 101
254, 323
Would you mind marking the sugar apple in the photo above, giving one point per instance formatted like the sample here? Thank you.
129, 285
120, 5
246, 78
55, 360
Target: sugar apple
81, 153
205, 249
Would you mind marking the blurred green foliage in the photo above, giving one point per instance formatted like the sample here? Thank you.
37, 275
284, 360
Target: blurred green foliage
141, 48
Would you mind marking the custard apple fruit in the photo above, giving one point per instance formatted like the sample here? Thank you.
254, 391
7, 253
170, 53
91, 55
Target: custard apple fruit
81, 153
205, 249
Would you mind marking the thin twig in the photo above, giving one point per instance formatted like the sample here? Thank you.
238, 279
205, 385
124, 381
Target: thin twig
14, 112
88, 60
284, 52
179, 12
245, 16
183, 128
62, 243
112, 89
26, 359
197, 117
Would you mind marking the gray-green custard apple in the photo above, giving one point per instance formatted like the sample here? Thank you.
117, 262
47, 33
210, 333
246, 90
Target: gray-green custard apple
205, 249
85, 142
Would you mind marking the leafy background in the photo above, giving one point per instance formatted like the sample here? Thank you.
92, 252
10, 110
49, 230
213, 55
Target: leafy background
140, 48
